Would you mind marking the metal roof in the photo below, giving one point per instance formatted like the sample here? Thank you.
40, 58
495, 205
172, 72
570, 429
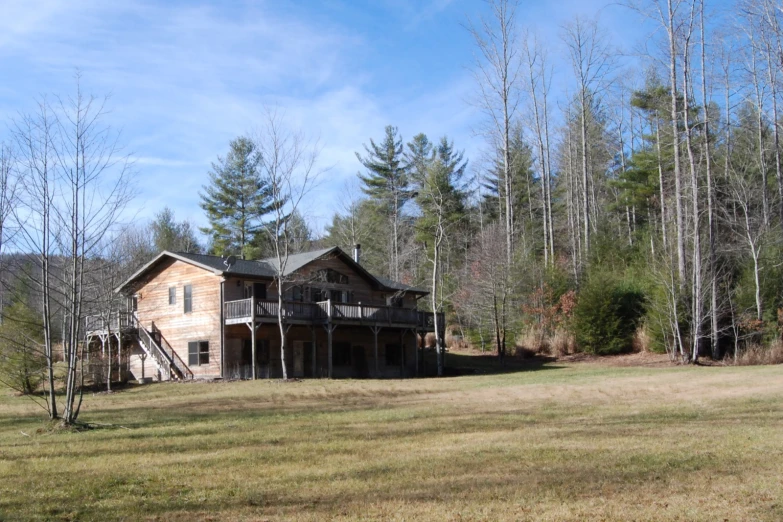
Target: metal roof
267, 268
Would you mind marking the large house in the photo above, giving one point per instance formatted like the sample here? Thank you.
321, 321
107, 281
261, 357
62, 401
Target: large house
200, 316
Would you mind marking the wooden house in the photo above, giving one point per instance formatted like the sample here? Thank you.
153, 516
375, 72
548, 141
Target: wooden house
200, 316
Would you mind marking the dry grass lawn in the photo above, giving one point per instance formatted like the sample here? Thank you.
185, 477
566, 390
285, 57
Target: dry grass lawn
563, 441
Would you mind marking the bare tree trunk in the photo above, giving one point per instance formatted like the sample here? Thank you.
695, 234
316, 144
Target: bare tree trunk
497, 78
532, 57
434, 296
697, 304
548, 163
585, 190
710, 196
281, 324
760, 136
772, 72
661, 183
34, 135
678, 197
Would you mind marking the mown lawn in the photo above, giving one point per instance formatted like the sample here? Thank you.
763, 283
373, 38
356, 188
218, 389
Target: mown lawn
556, 442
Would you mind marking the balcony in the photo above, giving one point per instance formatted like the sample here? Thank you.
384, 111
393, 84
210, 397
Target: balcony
295, 312
118, 321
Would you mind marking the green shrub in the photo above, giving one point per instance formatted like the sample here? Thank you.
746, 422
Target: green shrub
21, 359
607, 314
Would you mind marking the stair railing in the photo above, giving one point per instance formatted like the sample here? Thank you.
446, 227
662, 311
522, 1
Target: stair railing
164, 361
183, 369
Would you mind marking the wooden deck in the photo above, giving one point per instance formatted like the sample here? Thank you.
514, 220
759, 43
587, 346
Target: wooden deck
118, 322
296, 312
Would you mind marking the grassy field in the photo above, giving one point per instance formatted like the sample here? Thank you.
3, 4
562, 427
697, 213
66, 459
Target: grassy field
559, 441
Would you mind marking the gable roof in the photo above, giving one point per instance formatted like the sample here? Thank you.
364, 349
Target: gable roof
297, 261
266, 268
401, 287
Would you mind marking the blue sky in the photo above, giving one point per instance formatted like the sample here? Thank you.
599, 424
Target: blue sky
186, 77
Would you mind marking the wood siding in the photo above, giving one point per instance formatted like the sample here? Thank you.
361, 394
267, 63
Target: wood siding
177, 327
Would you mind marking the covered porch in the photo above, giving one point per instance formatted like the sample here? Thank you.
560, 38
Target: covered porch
322, 351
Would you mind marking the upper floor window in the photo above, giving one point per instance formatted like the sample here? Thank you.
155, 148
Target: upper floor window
173, 295
327, 275
187, 298
340, 296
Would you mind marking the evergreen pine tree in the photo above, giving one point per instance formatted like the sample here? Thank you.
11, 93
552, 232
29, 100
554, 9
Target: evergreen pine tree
388, 185
236, 200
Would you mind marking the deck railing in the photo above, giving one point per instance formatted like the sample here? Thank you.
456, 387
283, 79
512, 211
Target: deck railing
327, 310
116, 321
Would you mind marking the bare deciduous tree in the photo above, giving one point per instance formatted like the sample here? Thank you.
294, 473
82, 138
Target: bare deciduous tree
289, 168
497, 73
77, 182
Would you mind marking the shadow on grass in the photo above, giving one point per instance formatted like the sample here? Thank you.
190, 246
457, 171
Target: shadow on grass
318, 488
459, 364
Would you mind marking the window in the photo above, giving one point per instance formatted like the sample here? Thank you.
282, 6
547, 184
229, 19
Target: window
341, 354
337, 296
394, 301
198, 353
393, 355
188, 298
173, 295
340, 296
297, 294
327, 275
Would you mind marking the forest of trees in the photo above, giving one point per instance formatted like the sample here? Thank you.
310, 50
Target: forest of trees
620, 206
634, 205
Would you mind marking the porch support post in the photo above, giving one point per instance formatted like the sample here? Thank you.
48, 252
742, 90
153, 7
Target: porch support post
329, 331
375, 330
253, 334
402, 353
330, 328
314, 350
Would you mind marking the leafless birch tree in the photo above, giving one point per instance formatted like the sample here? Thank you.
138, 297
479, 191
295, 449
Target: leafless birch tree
289, 168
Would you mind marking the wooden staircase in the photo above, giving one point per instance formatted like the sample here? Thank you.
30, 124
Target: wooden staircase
169, 364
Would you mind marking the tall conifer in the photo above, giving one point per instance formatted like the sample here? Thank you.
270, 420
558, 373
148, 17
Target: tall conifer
236, 200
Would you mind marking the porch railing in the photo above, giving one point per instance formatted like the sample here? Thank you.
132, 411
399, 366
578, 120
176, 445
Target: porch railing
116, 321
328, 310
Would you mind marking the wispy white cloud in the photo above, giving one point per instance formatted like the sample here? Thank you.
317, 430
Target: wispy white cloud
187, 78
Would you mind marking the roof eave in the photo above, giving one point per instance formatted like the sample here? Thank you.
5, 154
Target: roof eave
156, 259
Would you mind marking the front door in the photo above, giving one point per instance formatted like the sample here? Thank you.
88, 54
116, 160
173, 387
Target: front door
299, 358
